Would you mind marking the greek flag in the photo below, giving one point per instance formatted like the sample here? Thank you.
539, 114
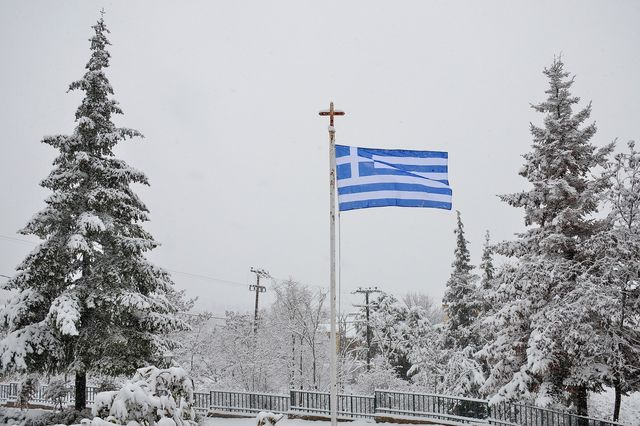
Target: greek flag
391, 177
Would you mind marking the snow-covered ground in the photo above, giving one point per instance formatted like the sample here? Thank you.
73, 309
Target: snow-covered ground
601, 406
215, 421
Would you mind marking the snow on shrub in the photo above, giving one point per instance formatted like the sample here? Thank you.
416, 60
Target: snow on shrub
57, 391
154, 396
268, 419
27, 390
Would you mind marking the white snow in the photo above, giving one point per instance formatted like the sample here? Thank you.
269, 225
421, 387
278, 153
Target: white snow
601, 406
216, 421
89, 222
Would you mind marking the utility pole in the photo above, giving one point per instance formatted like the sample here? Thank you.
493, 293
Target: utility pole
366, 292
258, 289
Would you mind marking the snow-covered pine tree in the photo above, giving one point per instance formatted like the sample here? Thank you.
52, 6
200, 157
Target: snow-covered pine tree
486, 264
485, 291
530, 356
87, 299
486, 299
460, 297
607, 299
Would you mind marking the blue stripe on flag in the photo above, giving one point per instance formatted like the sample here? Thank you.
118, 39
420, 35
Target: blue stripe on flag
367, 168
369, 152
392, 186
388, 202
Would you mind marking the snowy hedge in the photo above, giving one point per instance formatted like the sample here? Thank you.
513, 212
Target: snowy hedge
154, 396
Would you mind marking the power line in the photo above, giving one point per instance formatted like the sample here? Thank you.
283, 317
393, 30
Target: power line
190, 274
205, 277
19, 240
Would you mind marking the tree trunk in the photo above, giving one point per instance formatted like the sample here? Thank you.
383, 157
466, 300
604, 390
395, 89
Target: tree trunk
292, 370
81, 375
618, 400
580, 400
301, 378
616, 383
81, 390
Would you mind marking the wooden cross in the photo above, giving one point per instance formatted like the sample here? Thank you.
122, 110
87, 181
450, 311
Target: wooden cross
331, 113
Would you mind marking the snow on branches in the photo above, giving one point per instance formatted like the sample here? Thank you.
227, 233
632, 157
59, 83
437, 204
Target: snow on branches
152, 396
87, 298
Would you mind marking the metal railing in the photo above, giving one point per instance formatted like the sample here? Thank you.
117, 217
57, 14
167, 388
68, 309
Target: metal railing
439, 407
528, 415
382, 403
245, 402
201, 402
9, 393
319, 403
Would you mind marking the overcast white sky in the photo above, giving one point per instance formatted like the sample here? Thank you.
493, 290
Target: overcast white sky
227, 94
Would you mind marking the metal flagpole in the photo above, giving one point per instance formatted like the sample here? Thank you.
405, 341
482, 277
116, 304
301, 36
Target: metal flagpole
332, 261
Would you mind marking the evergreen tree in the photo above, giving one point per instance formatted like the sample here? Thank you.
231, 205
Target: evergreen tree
488, 272
87, 298
460, 297
534, 352
486, 265
607, 300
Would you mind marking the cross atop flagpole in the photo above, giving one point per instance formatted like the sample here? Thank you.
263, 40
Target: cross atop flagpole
331, 113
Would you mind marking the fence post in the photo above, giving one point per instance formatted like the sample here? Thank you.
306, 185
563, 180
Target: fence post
13, 389
292, 399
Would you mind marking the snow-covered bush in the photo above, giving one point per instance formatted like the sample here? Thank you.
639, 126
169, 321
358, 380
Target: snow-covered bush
28, 388
68, 416
162, 396
382, 375
57, 391
268, 419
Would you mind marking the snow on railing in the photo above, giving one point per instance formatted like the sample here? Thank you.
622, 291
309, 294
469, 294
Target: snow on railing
245, 402
9, 393
315, 402
384, 403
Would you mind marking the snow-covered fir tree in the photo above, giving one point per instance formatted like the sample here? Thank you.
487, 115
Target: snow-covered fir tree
606, 301
486, 300
87, 300
461, 296
442, 360
534, 352
486, 263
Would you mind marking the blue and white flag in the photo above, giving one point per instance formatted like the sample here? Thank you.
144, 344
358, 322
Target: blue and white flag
391, 177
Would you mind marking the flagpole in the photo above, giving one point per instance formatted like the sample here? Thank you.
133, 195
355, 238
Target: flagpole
332, 261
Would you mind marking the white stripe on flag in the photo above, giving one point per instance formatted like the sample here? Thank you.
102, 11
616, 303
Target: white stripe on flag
410, 161
426, 175
363, 180
402, 195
